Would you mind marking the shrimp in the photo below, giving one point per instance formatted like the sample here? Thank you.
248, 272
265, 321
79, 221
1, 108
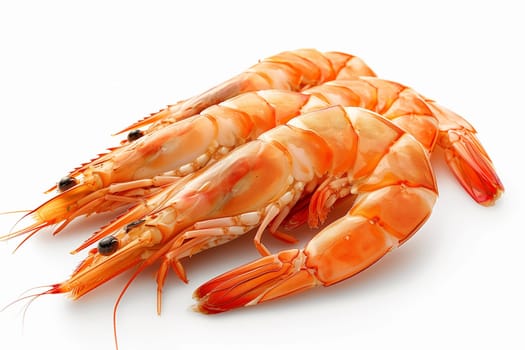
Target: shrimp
377, 95
385, 167
380, 219
289, 70
402, 105
187, 147
168, 150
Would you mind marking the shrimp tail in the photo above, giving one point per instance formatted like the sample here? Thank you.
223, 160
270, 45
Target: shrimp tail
466, 157
265, 279
472, 167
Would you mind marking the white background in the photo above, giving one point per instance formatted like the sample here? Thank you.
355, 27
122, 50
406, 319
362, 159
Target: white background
70, 75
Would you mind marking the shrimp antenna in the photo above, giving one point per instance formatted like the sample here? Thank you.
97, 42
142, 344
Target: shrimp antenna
32, 297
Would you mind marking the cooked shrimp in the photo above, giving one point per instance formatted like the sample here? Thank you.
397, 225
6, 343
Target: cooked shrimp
134, 170
421, 117
265, 109
381, 164
243, 118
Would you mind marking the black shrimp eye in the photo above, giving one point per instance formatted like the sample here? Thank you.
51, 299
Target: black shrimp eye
133, 224
66, 183
135, 135
107, 245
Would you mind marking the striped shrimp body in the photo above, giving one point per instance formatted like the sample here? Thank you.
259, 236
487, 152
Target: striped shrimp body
390, 174
137, 167
294, 70
464, 154
385, 167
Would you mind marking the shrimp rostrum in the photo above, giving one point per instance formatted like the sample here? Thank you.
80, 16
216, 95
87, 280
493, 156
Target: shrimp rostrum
327, 154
